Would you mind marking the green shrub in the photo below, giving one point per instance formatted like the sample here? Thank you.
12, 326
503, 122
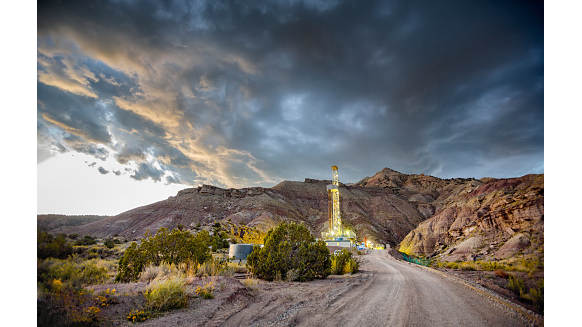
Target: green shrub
467, 266
490, 265
288, 247
73, 272
131, 264
537, 295
343, 263
172, 247
166, 295
52, 247
516, 285
206, 291
136, 315
87, 240
109, 243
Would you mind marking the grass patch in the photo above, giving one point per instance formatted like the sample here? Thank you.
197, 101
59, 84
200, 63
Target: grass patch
166, 295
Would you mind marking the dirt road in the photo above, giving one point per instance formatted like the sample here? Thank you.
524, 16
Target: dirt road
386, 292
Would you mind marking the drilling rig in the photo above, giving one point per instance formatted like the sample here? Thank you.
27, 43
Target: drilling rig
335, 220
336, 231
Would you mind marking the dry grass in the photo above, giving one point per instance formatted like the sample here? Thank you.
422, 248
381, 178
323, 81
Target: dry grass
164, 295
162, 272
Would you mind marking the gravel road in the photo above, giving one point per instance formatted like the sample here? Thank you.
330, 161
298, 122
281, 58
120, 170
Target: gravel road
400, 294
385, 292
388, 293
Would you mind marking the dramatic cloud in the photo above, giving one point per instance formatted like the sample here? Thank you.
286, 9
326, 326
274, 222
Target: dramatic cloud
245, 93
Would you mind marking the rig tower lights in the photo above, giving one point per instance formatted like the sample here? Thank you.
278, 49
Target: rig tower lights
335, 228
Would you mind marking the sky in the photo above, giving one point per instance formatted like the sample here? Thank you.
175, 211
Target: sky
139, 99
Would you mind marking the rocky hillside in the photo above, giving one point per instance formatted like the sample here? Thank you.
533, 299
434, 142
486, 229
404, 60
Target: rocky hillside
427, 193
428, 215
377, 213
498, 219
51, 222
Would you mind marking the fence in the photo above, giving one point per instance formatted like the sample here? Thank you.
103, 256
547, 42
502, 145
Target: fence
418, 261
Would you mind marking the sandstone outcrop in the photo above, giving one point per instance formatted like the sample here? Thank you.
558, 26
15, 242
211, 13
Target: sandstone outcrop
506, 215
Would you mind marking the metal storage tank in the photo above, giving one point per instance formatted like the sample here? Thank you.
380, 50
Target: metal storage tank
240, 251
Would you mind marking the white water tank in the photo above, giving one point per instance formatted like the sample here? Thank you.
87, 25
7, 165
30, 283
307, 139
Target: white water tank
240, 251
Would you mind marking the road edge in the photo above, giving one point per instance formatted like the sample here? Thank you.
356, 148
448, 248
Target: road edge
523, 312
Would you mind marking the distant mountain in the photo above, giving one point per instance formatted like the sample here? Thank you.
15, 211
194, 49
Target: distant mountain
427, 214
376, 213
51, 222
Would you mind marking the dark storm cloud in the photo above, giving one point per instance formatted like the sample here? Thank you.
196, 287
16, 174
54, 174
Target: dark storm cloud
146, 171
241, 93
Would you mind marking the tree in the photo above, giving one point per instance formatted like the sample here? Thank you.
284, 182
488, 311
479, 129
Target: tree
49, 246
172, 247
290, 252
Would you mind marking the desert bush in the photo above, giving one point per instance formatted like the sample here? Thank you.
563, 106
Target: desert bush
445, 264
516, 285
250, 283
75, 272
215, 267
166, 295
351, 266
107, 297
62, 304
501, 273
136, 315
62, 300
109, 243
537, 296
52, 247
290, 246
163, 271
467, 266
206, 291
131, 264
172, 247
529, 265
343, 263
490, 265
86, 240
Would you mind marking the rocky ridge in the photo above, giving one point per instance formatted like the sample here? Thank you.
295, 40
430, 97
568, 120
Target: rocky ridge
376, 213
424, 215
498, 219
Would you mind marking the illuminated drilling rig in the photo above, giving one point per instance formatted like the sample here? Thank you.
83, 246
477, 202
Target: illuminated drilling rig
335, 219
336, 231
